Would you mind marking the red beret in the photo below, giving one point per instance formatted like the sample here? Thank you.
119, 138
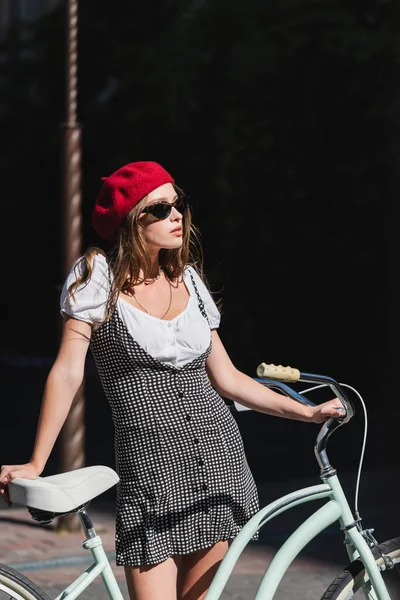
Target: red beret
122, 190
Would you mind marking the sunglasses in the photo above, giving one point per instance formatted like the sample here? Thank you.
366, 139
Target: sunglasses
162, 210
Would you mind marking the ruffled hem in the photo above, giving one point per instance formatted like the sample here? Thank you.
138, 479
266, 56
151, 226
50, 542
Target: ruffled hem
123, 559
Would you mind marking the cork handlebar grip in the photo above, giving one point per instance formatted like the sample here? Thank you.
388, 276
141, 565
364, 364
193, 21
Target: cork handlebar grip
279, 372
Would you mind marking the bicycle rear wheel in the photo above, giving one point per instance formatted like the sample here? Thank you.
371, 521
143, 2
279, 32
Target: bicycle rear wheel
15, 586
353, 579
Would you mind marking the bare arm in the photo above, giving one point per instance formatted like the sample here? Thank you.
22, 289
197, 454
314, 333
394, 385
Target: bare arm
61, 386
235, 385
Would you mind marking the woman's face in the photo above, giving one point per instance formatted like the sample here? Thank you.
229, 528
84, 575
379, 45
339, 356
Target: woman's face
162, 233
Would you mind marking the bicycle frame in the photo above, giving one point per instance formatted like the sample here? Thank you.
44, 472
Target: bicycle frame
101, 566
335, 509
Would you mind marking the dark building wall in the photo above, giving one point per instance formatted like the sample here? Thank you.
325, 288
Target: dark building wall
281, 122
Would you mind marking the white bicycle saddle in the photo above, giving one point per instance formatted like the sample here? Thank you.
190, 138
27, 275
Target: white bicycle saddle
63, 492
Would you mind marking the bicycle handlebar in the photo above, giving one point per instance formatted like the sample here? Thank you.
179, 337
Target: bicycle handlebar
276, 376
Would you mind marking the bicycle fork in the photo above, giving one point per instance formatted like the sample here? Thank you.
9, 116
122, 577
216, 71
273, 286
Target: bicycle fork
359, 544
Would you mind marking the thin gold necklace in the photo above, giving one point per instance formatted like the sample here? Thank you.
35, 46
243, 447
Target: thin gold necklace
151, 281
169, 305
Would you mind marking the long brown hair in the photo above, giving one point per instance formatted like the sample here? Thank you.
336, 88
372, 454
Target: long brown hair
128, 256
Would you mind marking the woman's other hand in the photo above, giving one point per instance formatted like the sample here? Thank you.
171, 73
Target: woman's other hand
10, 472
327, 410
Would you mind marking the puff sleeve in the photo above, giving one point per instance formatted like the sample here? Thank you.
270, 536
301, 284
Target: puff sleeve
214, 316
90, 300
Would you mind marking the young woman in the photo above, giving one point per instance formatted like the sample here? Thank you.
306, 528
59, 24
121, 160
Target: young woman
147, 315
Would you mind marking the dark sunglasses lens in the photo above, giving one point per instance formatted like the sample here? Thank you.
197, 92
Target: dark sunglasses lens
182, 204
160, 211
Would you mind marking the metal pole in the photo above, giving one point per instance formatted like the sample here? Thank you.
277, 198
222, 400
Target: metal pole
72, 435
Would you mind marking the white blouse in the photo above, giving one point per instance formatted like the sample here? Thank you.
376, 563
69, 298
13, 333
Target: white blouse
177, 341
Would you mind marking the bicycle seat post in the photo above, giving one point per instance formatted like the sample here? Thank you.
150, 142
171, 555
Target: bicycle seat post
86, 522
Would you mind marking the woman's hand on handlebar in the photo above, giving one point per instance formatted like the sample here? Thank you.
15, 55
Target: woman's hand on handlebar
10, 472
327, 410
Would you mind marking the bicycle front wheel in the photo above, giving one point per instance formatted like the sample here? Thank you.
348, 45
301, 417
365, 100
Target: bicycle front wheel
15, 586
353, 581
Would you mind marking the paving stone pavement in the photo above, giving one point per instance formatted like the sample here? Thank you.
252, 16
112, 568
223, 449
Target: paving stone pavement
53, 559
42, 553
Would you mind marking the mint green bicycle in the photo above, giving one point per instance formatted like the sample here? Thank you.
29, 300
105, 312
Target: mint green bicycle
373, 571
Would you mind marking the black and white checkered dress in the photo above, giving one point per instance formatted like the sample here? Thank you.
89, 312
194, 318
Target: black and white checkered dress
184, 479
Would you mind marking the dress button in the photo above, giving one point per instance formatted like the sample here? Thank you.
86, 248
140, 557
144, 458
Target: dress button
169, 324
